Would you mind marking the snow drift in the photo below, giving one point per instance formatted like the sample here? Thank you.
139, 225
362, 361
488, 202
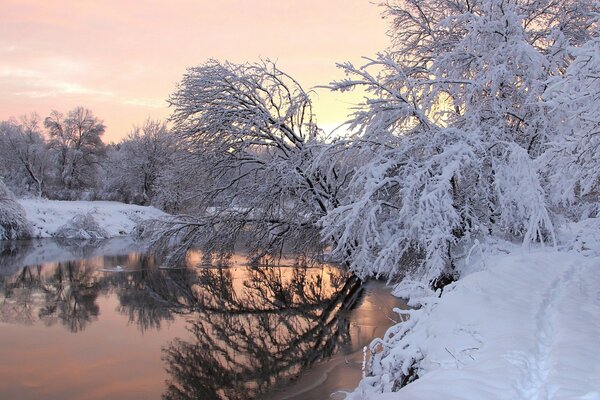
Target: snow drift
85, 219
519, 324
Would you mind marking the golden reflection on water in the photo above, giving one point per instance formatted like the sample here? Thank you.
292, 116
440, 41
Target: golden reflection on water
72, 330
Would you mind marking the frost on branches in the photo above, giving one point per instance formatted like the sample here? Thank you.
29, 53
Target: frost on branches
139, 164
573, 158
250, 134
452, 132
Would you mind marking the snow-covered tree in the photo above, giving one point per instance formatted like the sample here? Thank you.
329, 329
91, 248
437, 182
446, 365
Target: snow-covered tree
135, 166
13, 222
178, 183
251, 136
25, 158
77, 139
573, 159
451, 131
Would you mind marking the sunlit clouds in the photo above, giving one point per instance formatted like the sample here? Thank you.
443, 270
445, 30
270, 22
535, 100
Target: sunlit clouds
123, 59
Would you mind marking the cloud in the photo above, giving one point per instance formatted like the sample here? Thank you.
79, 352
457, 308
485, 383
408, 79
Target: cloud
53, 88
63, 65
146, 102
16, 73
8, 48
36, 84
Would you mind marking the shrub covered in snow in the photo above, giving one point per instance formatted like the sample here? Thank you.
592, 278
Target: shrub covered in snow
13, 223
82, 226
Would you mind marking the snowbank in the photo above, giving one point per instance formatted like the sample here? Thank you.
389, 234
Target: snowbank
85, 219
523, 324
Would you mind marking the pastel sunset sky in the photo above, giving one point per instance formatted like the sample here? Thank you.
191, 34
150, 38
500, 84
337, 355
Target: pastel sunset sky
123, 58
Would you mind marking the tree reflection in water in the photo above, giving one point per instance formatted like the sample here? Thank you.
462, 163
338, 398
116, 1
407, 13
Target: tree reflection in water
250, 327
67, 295
246, 339
150, 296
71, 293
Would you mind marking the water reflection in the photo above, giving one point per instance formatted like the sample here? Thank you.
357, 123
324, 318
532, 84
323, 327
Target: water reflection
245, 340
247, 328
64, 294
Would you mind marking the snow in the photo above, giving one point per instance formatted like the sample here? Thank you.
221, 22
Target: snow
522, 324
85, 219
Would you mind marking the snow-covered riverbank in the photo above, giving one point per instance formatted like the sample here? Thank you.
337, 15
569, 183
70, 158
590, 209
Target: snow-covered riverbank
520, 324
85, 219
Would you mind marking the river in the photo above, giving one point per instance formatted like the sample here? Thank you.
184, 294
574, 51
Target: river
106, 320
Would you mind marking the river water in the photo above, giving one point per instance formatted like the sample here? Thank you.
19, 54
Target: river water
105, 320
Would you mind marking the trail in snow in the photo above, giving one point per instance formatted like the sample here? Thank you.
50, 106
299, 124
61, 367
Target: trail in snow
537, 370
527, 327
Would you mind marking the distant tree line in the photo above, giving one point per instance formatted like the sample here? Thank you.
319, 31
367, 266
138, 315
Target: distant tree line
64, 157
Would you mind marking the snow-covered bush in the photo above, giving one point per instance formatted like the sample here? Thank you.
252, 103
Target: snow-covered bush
81, 226
13, 222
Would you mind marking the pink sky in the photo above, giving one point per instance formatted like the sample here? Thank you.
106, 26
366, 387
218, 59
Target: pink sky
123, 58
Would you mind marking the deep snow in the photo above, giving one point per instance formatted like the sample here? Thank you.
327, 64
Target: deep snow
520, 324
85, 219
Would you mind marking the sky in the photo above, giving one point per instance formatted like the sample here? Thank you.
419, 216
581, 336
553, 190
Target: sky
123, 58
